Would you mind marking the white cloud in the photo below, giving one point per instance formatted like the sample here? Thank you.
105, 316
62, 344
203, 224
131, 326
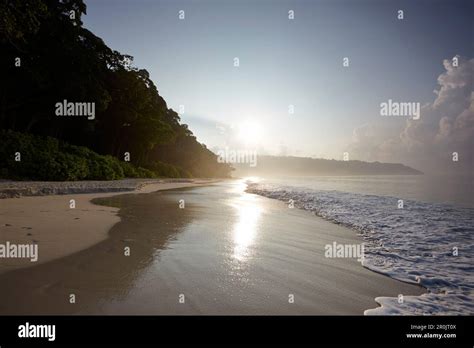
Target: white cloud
446, 126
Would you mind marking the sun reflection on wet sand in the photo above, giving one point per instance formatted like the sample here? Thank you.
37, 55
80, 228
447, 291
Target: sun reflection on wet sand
246, 227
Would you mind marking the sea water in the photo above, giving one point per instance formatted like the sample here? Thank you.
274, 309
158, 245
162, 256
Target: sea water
415, 228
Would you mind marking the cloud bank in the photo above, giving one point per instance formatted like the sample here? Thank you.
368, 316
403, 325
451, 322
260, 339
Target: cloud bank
446, 126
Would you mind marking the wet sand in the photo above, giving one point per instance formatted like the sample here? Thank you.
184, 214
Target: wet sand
226, 252
58, 230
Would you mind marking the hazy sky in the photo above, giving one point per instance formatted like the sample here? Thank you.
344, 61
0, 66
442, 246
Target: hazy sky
297, 62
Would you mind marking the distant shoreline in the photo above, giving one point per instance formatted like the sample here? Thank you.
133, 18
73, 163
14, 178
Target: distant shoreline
307, 166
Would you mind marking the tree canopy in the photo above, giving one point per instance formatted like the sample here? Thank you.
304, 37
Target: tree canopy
50, 57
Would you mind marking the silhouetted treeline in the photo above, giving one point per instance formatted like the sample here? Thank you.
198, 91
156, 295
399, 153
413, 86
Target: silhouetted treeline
48, 57
278, 165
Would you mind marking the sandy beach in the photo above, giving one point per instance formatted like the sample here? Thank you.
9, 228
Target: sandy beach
40, 213
226, 252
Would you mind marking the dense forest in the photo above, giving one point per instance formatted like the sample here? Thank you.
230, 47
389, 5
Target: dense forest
48, 57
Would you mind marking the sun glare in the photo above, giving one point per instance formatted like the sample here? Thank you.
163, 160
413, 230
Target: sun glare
249, 133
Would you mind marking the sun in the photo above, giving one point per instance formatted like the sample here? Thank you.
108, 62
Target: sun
249, 132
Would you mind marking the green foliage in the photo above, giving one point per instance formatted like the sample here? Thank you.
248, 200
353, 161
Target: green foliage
184, 173
129, 170
103, 168
46, 158
145, 173
164, 170
41, 159
20, 19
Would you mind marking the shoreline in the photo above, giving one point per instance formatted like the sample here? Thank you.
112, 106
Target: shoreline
250, 279
18, 189
60, 230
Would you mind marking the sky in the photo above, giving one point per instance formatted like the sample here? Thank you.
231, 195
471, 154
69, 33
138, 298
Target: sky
299, 62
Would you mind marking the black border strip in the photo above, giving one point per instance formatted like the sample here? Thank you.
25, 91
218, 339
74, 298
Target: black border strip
289, 330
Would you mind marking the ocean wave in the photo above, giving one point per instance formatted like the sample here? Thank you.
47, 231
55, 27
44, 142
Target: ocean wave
425, 243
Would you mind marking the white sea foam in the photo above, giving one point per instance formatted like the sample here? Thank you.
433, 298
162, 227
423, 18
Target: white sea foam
414, 244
